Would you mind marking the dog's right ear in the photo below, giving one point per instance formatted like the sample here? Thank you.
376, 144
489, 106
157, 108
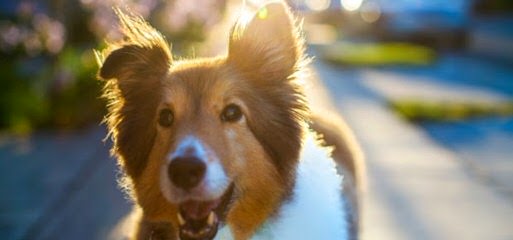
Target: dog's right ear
130, 60
133, 71
143, 56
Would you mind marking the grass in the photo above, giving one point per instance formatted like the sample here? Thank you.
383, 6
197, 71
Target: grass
417, 111
378, 54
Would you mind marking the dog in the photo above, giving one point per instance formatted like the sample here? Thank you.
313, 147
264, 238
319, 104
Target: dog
226, 147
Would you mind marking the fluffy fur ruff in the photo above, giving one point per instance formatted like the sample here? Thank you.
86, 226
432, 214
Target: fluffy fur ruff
317, 208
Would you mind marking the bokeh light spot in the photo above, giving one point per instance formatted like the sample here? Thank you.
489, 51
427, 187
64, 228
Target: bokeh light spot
318, 5
351, 5
370, 12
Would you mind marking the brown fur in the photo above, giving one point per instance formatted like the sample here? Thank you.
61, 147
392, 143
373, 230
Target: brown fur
259, 153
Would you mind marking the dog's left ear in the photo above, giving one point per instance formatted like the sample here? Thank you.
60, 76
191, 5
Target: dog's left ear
269, 47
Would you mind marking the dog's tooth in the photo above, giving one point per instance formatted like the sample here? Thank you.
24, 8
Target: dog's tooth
181, 221
211, 218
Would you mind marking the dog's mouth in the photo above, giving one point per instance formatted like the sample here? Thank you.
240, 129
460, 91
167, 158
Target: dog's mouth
199, 220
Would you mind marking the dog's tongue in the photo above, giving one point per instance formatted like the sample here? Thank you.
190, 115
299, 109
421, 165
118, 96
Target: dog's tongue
196, 210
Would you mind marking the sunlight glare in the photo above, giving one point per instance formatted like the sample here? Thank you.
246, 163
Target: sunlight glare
245, 16
351, 5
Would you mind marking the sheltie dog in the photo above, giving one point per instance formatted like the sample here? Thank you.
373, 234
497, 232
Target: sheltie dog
225, 147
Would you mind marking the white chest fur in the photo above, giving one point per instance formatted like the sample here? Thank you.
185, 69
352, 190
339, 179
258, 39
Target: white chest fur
316, 210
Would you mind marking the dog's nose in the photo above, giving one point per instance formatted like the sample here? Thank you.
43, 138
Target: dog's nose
186, 172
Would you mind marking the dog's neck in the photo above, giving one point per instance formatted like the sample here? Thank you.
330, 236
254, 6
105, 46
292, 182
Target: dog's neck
316, 209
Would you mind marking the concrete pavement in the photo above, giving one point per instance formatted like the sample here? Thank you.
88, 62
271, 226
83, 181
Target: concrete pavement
416, 188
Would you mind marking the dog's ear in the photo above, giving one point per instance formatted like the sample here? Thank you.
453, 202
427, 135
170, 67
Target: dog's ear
133, 59
133, 70
142, 58
268, 47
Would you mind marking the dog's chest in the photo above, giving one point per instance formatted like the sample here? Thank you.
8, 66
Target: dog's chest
317, 208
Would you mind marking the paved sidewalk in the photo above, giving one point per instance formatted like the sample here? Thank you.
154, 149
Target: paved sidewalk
58, 186
393, 86
416, 188
482, 145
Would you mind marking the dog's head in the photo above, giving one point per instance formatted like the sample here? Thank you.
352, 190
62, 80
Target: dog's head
214, 140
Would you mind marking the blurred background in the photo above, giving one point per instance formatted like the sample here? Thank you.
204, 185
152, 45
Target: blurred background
426, 85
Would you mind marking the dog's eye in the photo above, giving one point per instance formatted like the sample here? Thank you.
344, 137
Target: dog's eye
166, 117
231, 113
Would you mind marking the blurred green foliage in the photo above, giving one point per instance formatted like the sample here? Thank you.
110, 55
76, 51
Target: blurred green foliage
46, 51
55, 91
417, 111
378, 54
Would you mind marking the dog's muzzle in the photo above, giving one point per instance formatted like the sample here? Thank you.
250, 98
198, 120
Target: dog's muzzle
196, 218
196, 182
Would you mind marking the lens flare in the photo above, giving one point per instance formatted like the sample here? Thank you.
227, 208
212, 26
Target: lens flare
263, 13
